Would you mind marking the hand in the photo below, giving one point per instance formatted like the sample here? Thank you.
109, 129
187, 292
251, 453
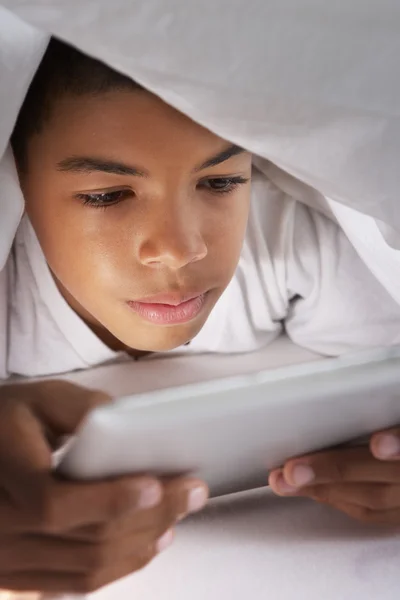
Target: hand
363, 482
62, 536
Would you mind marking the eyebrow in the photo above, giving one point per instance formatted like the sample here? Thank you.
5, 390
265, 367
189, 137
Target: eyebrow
91, 164
221, 157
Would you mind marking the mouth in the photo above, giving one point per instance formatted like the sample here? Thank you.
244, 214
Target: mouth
169, 309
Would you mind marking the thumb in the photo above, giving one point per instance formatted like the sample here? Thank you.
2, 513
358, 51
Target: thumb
61, 406
27, 413
385, 445
25, 455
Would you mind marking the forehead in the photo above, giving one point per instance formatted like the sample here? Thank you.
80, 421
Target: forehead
121, 123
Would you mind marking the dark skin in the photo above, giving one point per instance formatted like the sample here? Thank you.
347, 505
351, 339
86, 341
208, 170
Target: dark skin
167, 222
62, 536
363, 482
168, 229
165, 228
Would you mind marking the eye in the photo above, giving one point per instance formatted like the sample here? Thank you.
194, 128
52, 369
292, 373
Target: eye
104, 199
222, 185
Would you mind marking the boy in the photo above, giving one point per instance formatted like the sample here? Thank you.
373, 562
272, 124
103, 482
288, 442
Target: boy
144, 232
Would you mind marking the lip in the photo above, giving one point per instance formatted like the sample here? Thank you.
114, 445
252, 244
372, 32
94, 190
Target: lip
171, 299
169, 309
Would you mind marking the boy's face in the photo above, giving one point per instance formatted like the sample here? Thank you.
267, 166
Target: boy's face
141, 230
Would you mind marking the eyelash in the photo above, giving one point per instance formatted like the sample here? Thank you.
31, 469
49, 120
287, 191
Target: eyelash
108, 199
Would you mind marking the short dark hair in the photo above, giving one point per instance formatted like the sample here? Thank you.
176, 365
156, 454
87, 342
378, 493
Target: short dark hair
63, 70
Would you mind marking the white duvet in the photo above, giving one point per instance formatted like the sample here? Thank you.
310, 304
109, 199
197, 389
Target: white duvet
312, 87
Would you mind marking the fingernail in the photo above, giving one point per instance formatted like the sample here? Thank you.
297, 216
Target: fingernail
284, 487
197, 499
302, 475
388, 446
150, 495
165, 540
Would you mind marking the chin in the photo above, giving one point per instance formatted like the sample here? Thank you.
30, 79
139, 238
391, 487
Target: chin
163, 339
166, 346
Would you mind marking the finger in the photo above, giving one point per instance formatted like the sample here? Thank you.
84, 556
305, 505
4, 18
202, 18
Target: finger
62, 405
54, 582
181, 496
157, 519
38, 552
355, 511
26, 412
336, 466
185, 495
83, 583
279, 485
71, 505
25, 455
385, 445
68, 506
367, 515
117, 571
377, 497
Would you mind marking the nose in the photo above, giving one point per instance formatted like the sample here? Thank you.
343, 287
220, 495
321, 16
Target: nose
173, 240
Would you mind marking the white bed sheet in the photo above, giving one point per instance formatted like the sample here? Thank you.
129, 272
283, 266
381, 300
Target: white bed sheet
170, 370
257, 546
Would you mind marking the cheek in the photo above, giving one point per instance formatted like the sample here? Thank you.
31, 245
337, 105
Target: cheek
229, 230
79, 250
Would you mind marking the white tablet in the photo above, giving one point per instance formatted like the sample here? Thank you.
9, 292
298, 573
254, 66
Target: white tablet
231, 432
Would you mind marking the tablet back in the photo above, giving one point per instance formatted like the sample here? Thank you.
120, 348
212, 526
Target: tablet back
232, 431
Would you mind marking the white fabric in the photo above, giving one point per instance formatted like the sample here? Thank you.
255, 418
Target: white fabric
364, 232
257, 546
311, 86
275, 76
296, 266
21, 48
